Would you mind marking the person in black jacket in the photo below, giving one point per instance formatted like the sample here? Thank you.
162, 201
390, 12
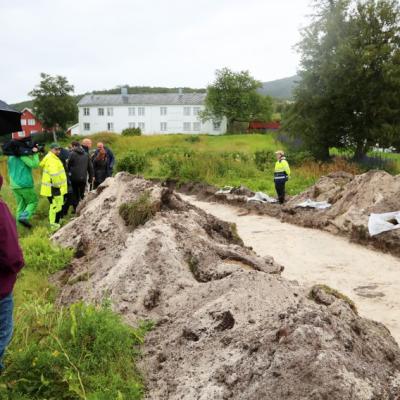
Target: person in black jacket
79, 167
109, 157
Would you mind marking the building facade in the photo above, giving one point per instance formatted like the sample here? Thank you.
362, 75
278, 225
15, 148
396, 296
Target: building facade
30, 125
164, 113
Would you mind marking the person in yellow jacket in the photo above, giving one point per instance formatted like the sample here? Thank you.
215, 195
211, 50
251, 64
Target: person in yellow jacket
281, 175
54, 183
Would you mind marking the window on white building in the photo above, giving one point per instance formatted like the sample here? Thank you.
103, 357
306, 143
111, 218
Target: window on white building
141, 111
186, 111
217, 125
31, 122
86, 111
110, 111
141, 126
86, 126
21, 134
132, 125
100, 111
196, 110
186, 126
110, 126
23, 122
163, 126
196, 126
163, 110
131, 111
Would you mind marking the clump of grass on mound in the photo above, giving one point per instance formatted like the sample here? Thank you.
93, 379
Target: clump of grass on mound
333, 292
81, 352
138, 212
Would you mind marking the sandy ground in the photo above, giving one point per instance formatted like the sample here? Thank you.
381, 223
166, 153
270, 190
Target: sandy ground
310, 256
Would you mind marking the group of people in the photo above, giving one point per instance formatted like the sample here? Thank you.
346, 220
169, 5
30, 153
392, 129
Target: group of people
67, 174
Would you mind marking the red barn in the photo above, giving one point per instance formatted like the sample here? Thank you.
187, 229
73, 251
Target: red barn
264, 126
30, 124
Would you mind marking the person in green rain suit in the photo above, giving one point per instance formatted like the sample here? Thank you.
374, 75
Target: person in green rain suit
22, 184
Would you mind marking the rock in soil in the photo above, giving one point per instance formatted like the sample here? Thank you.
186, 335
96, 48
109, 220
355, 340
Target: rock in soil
227, 325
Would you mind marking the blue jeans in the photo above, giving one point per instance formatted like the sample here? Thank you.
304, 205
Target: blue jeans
6, 324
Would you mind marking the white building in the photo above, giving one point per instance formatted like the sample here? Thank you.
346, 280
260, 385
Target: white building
163, 113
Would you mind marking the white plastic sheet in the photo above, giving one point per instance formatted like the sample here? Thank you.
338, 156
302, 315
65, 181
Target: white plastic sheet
262, 198
319, 205
379, 223
225, 190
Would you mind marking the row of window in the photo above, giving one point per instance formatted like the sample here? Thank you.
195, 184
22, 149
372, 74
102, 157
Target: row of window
187, 111
187, 126
30, 122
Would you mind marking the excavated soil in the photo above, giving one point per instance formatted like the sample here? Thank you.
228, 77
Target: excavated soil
353, 199
227, 325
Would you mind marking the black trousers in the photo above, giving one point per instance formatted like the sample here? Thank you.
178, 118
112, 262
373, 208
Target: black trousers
280, 190
78, 193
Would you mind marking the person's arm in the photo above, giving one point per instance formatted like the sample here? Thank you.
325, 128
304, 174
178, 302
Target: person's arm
31, 161
11, 258
112, 158
287, 168
90, 170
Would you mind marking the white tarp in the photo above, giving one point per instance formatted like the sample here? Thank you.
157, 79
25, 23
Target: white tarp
319, 205
225, 190
262, 198
379, 223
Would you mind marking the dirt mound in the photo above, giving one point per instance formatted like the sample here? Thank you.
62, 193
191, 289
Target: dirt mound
353, 199
227, 324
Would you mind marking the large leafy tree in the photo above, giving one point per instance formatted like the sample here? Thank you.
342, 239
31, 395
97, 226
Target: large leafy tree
53, 103
349, 78
234, 95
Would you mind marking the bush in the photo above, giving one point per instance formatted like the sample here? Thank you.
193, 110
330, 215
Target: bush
138, 212
264, 159
132, 132
41, 255
300, 157
133, 162
170, 166
81, 352
107, 138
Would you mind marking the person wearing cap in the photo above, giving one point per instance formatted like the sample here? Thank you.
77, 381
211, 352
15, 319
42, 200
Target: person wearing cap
54, 183
281, 175
11, 262
22, 185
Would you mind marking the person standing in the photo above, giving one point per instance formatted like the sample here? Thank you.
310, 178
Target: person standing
63, 156
110, 157
100, 167
54, 184
86, 145
11, 262
79, 169
281, 175
22, 185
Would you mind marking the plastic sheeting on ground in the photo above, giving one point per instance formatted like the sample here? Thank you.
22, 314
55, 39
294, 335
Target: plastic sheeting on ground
225, 190
319, 205
385, 222
262, 198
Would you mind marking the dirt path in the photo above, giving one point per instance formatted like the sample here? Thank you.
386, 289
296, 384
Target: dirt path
310, 256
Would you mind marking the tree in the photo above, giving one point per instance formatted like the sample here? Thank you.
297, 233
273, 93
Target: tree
53, 103
234, 95
349, 78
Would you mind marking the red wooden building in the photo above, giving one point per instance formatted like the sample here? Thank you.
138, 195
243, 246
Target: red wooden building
30, 124
264, 126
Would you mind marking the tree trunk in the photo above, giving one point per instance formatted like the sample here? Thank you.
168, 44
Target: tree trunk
54, 136
360, 151
322, 153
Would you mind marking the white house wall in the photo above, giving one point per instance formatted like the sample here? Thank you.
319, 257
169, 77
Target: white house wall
152, 119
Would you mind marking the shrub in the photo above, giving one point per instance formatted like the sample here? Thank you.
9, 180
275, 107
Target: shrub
132, 132
41, 255
193, 139
264, 159
300, 157
133, 162
107, 138
81, 352
170, 166
138, 212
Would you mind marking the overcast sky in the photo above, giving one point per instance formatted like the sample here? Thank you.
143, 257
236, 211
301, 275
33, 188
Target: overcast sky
99, 44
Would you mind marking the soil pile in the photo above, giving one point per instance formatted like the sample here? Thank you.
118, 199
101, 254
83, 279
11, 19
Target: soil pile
353, 199
227, 324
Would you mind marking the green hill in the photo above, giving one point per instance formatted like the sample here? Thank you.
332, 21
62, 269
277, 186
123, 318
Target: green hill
280, 88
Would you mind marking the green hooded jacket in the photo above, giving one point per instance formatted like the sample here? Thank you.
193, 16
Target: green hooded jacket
20, 171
